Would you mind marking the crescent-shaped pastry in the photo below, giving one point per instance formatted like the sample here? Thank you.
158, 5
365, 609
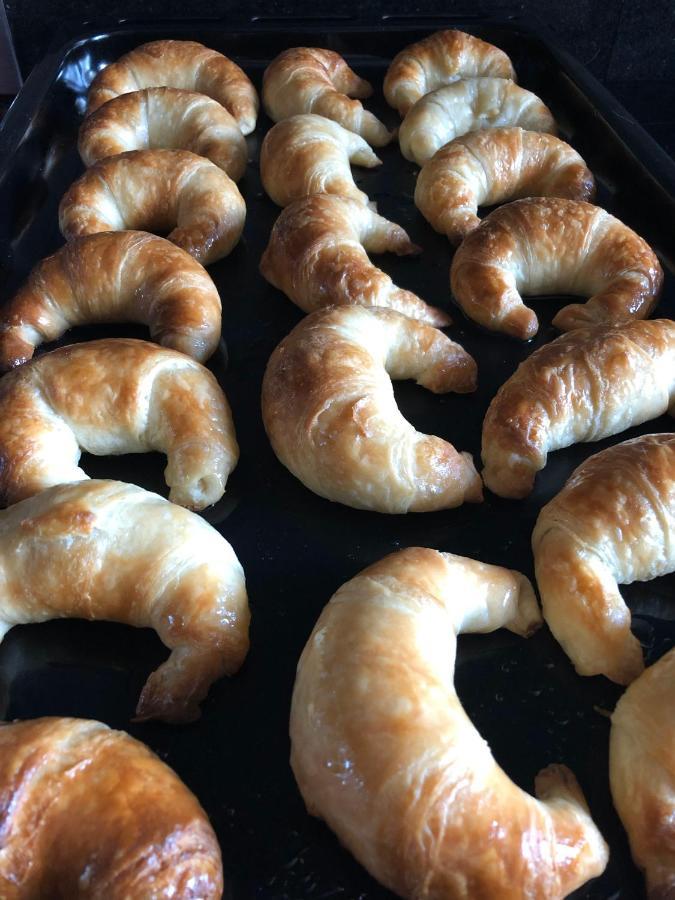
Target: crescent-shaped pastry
164, 118
311, 80
438, 60
172, 191
112, 551
384, 752
88, 812
109, 397
554, 246
494, 165
642, 772
186, 65
469, 105
330, 413
123, 276
317, 256
613, 522
584, 386
310, 154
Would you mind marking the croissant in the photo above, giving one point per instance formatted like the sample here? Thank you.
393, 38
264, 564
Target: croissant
164, 118
330, 413
310, 154
438, 60
317, 256
383, 751
487, 167
469, 105
310, 80
586, 385
186, 65
112, 551
614, 521
115, 277
115, 396
158, 190
553, 246
88, 812
642, 772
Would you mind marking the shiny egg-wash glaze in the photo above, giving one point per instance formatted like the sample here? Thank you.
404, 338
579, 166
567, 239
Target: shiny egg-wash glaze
88, 813
383, 751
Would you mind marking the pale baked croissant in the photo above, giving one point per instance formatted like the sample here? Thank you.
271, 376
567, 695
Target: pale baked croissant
383, 751
330, 413
613, 521
109, 397
122, 276
310, 154
584, 386
164, 118
642, 772
186, 65
171, 191
311, 80
89, 813
554, 246
440, 59
112, 551
487, 167
469, 105
317, 256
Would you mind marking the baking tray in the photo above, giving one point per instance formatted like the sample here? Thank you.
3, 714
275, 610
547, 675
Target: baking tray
297, 548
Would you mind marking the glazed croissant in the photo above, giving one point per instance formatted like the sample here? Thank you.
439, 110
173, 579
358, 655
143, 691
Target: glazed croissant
158, 190
584, 386
642, 772
109, 397
123, 276
329, 411
310, 154
383, 751
164, 118
112, 551
614, 521
469, 105
553, 246
90, 813
186, 65
317, 256
438, 60
487, 167
311, 80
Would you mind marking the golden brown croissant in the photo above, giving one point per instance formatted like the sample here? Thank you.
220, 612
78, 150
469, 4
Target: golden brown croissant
487, 167
109, 397
614, 521
383, 751
330, 413
642, 772
158, 190
311, 80
88, 813
186, 65
469, 105
438, 60
310, 154
164, 118
584, 386
123, 276
317, 256
112, 551
554, 246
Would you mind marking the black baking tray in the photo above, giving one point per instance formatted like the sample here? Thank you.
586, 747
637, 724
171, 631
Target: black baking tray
297, 548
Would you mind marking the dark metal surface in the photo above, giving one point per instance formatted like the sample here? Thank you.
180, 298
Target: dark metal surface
296, 548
